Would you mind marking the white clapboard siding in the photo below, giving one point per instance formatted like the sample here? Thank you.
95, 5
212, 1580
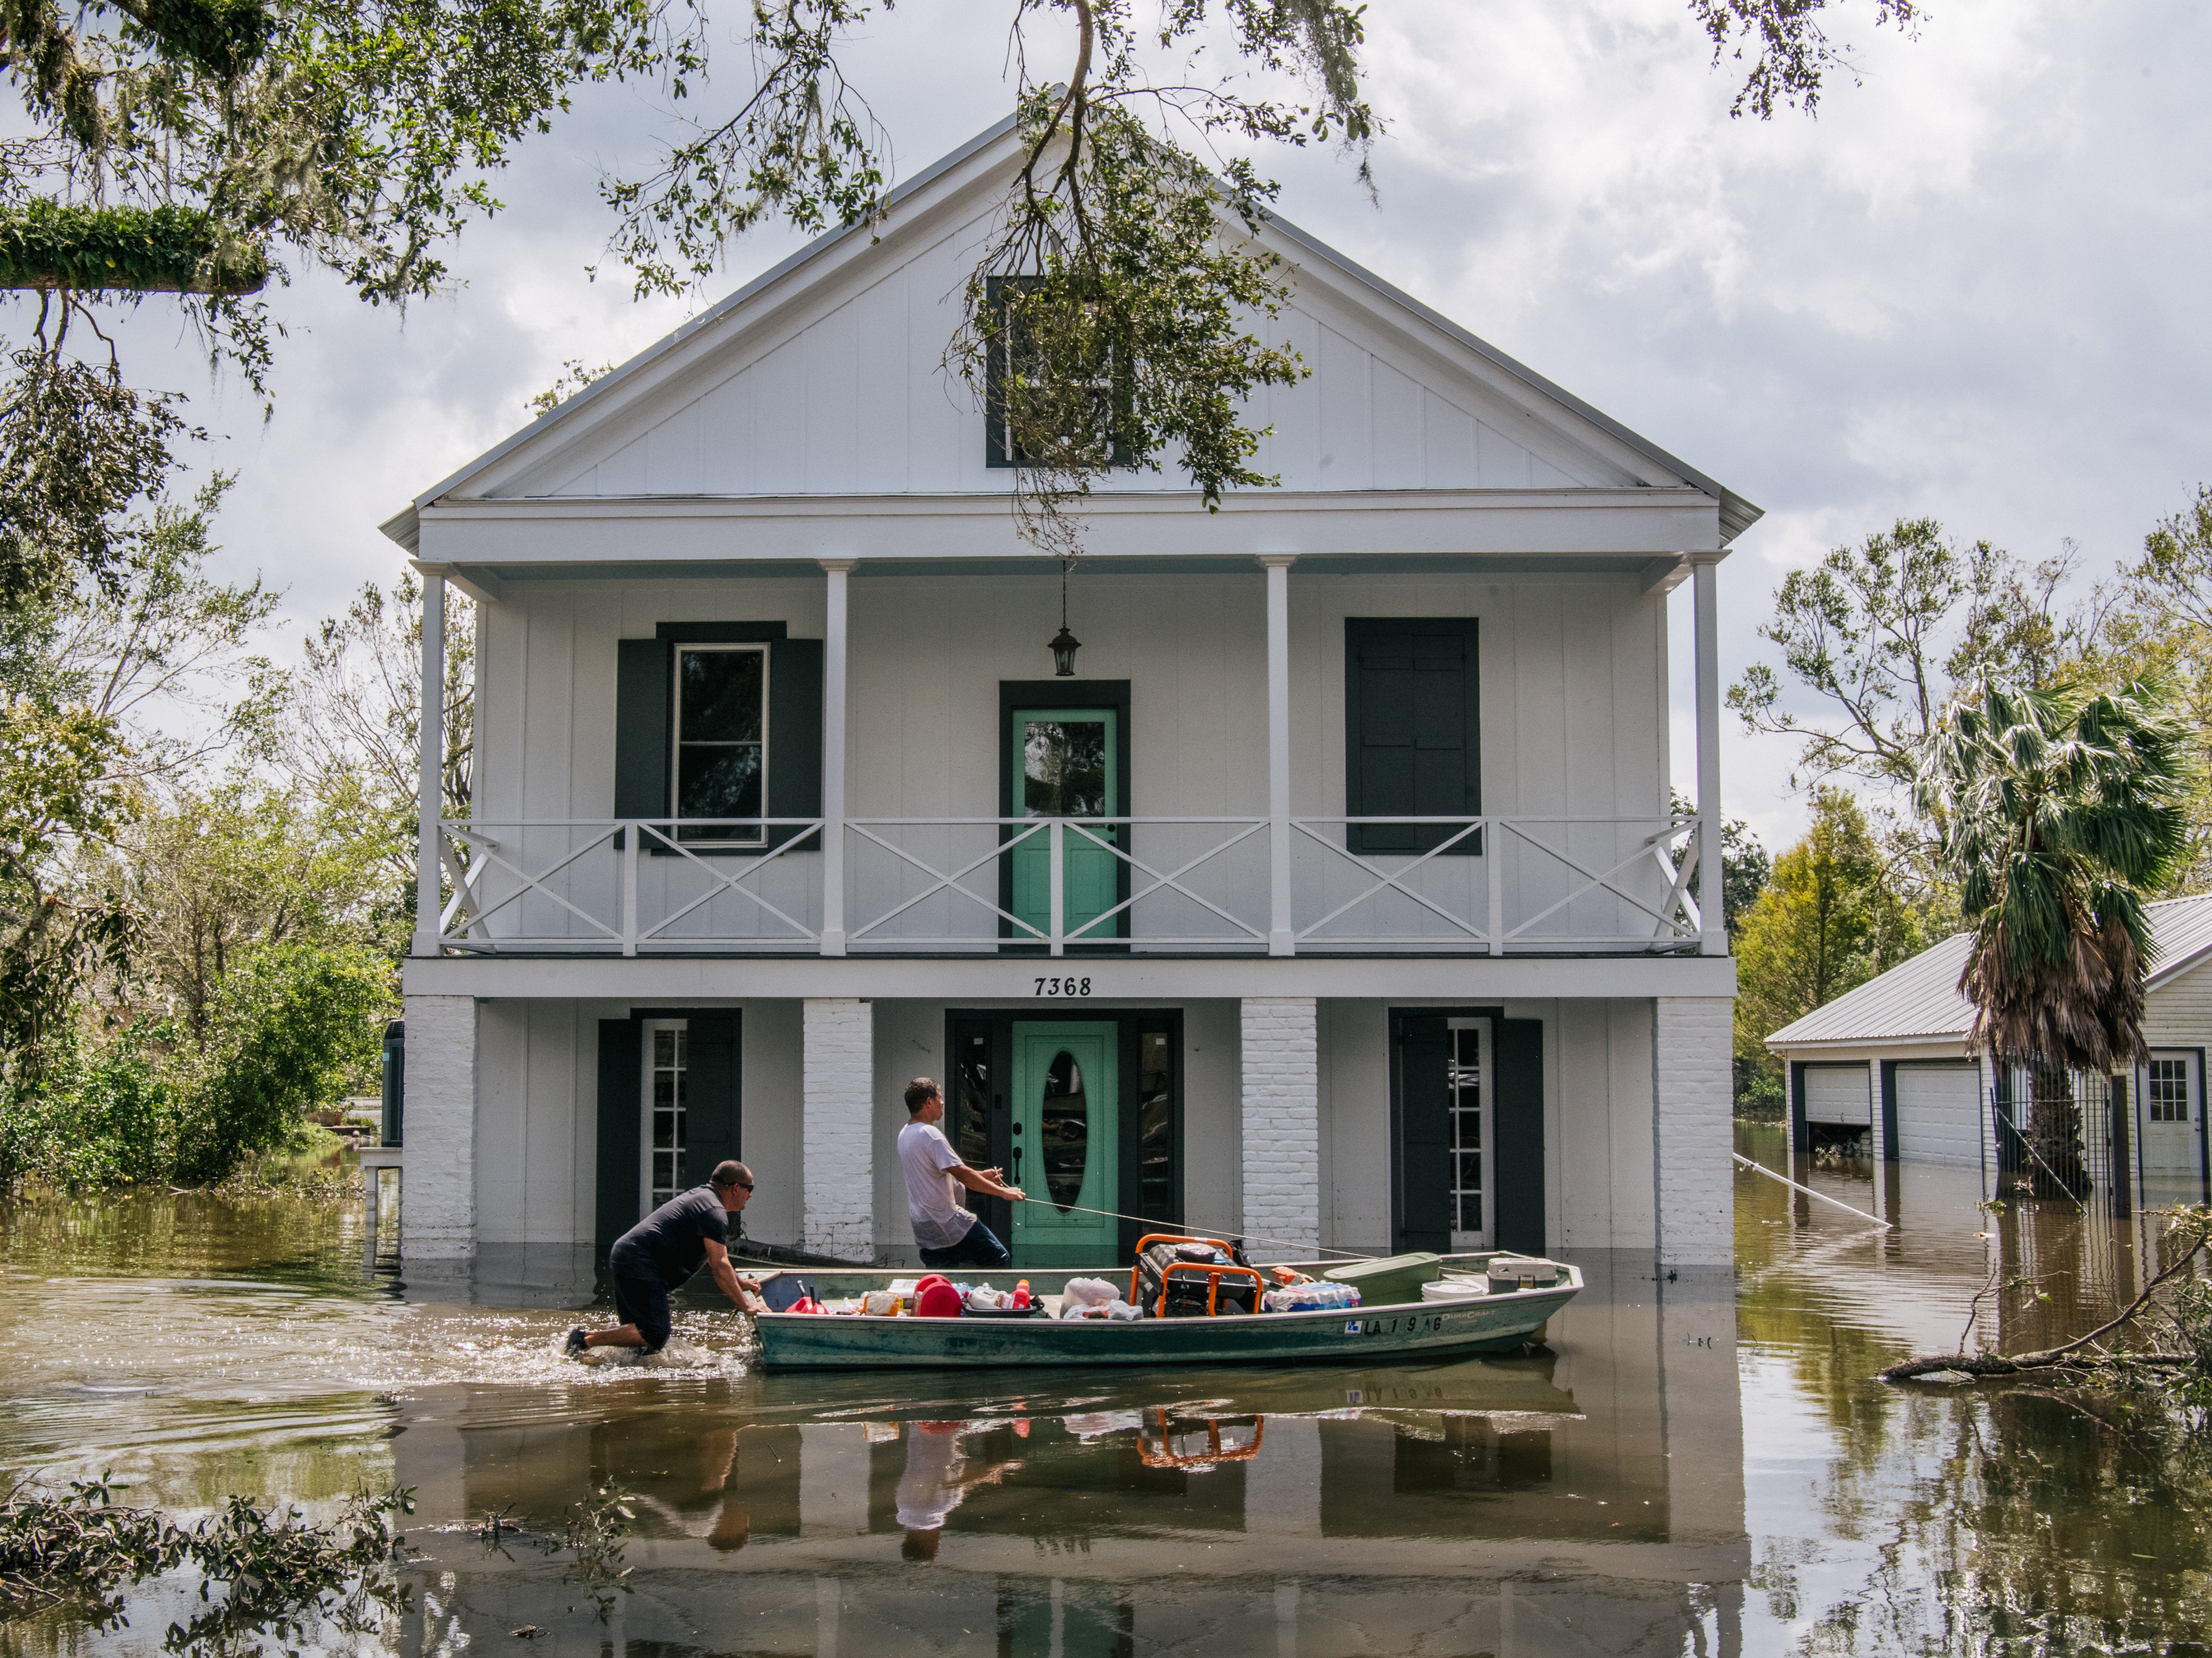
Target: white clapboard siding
1939, 1114
1838, 1093
852, 396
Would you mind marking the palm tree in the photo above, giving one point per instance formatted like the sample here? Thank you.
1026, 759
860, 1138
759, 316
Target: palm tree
2058, 809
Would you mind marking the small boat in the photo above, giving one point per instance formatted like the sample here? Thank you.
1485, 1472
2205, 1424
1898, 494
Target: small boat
1492, 1320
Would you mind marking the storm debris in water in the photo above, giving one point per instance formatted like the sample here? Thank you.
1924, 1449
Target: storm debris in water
279, 1573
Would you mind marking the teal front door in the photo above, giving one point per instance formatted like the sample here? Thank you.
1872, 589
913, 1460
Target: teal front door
1066, 764
1065, 1143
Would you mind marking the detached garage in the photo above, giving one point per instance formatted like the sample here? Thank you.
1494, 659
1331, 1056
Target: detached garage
1886, 1069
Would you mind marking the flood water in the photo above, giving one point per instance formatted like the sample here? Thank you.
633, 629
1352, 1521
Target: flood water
1702, 1466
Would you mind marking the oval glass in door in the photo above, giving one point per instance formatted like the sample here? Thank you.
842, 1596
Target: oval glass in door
1064, 1131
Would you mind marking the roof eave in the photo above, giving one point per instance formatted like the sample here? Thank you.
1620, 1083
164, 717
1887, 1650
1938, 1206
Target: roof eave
404, 526
1737, 514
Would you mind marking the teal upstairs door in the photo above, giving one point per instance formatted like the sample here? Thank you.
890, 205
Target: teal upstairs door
1066, 1135
1066, 764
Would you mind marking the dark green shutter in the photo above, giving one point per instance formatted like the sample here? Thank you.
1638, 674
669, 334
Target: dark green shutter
1422, 1164
642, 743
1516, 1174
1412, 744
622, 1084
794, 735
711, 1094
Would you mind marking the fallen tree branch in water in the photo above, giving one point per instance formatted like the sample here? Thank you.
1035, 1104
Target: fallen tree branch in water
279, 1573
2191, 1228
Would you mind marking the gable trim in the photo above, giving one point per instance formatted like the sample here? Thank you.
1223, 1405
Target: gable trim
1736, 514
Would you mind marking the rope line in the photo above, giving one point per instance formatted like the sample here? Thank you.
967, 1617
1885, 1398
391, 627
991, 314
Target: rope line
1222, 1231
1810, 1193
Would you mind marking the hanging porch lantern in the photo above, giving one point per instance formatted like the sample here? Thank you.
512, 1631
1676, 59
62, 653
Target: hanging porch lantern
1064, 644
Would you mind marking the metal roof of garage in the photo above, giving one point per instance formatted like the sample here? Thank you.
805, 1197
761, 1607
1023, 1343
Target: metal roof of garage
1918, 1000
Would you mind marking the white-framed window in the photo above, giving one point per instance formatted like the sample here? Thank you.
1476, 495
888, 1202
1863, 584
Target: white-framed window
664, 1120
721, 762
2165, 1091
1471, 1134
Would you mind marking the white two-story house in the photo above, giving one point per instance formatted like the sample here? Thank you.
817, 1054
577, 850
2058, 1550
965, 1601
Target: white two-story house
1335, 898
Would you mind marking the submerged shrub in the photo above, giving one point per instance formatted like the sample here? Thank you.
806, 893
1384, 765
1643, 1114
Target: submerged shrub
104, 1116
278, 1573
291, 1025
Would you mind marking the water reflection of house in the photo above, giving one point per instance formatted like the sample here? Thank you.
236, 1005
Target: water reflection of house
1887, 1065
1562, 1502
1337, 896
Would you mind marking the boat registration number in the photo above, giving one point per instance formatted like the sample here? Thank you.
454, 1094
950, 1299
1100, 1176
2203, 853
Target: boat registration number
1408, 1324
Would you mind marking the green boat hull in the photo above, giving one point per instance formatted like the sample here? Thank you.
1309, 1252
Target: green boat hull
1412, 1332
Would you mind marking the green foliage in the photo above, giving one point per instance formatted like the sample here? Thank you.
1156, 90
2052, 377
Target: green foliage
47, 243
1879, 634
2059, 809
267, 1574
75, 1552
56, 787
103, 1117
1789, 53
1103, 357
221, 871
78, 448
1830, 918
291, 1025
2160, 626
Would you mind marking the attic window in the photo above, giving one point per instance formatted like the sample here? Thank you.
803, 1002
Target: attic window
1020, 383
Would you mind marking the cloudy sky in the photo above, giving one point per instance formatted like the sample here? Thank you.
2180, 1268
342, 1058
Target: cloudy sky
1973, 288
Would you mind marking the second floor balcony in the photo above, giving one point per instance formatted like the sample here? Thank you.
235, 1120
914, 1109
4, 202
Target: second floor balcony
1070, 887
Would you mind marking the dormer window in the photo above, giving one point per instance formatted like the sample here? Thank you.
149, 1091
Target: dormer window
1025, 393
721, 740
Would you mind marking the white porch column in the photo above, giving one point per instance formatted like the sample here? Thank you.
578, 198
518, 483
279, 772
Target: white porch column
1705, 578
1281, 1129
1278, 566
429, 775
838, 1133
438, 1209
1691, 1131
833, 760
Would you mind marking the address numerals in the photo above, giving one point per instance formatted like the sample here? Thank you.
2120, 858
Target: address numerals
1063, 987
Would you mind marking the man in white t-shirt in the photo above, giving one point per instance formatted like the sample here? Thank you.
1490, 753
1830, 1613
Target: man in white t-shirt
949, 1234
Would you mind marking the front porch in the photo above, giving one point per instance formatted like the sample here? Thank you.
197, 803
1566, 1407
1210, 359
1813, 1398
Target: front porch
1382, 1116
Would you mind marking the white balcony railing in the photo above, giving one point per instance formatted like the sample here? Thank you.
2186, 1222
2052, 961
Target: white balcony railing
1173, 885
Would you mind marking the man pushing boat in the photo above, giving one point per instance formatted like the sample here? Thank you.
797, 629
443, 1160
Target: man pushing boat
658, 1254
947, 1234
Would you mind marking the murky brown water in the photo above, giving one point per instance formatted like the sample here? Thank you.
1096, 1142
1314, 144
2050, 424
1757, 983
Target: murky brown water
1695, 1466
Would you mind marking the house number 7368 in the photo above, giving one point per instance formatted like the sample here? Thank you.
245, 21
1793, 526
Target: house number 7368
1063, 987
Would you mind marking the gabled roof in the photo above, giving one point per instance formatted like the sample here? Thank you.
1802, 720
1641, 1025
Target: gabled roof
956, 176
1918, 1000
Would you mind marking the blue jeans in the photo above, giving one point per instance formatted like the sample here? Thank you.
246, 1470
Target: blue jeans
979, 1248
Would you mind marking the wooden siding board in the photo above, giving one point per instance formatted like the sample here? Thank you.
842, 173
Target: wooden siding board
1396, 448
1448, 460
1346, 413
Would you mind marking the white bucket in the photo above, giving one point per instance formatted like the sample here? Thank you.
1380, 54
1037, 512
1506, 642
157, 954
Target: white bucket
1455, 1289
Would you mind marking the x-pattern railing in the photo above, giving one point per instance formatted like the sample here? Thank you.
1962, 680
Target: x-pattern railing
1680, 916
1677, 917
629, 837
940, 880
1057, 832
489, 878
1171, 882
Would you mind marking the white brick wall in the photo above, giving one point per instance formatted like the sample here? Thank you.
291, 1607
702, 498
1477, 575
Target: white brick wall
438, 1191
838, 1149
1695, 1184
1281, 1126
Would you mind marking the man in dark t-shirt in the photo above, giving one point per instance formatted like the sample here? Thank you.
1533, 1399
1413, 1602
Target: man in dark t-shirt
661, 1251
